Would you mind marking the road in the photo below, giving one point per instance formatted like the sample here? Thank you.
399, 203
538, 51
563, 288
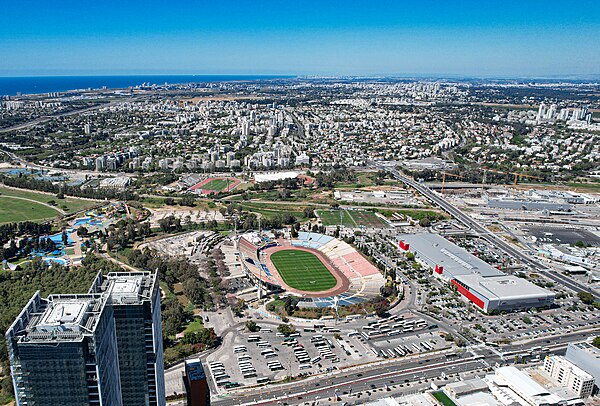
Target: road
50, 117
386, 373
487, 234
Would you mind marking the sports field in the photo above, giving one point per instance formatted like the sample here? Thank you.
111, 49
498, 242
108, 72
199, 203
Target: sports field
217, 184
15, 210
303, 270
350, 218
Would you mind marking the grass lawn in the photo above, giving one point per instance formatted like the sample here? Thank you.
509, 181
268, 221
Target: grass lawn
350, 218
443, 398
269, 210
14, 210
194, 325
336, 217
70, 203
303, 270
218, 184
366, 218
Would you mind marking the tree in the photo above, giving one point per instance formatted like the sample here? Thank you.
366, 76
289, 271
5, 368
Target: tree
65, 238
239, 307
449, 337
596, 342
252, 327
286, 329
187, 200
586, 297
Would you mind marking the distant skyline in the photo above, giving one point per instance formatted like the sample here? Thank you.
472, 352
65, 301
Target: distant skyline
467, 38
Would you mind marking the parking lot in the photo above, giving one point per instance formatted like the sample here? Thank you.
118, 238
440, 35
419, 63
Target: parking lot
267, 355
254, 358
556, 235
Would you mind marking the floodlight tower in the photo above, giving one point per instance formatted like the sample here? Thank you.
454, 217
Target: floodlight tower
336, 300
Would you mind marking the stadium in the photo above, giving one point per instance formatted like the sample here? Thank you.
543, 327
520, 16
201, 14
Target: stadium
317, 268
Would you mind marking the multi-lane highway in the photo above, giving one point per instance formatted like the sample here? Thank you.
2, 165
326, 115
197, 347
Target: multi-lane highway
487, 234
389, 373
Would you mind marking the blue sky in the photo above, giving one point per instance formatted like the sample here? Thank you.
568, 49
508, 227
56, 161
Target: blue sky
473, 38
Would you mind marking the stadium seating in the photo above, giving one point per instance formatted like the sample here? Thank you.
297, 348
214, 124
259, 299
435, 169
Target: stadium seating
365, 279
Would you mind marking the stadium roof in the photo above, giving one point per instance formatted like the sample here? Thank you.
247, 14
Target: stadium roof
270, 177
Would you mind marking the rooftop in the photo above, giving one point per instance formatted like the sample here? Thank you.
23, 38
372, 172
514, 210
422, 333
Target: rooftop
58, 318
194, 369
436, 250
503, 286
125, 287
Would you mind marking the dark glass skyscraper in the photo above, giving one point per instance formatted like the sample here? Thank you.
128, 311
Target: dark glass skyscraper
135, 299
63, 351
101, 348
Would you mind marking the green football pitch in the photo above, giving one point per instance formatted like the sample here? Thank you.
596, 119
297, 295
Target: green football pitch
217, 185
350, 218
303, 270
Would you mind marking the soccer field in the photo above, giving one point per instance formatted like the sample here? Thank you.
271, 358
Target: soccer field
350, 218
303, 270
217, 185
336, 217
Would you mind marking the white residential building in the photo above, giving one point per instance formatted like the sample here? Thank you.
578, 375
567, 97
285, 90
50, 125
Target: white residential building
569, 375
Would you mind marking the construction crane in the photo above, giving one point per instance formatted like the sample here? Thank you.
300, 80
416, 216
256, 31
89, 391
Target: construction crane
448, 174
515, 174
521, 175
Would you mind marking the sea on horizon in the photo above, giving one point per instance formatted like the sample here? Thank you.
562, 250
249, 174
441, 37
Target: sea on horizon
11, 86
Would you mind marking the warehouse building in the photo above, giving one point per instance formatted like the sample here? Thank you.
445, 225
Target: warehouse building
485, 286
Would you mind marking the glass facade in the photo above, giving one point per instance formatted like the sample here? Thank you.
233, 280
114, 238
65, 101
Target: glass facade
102, 348
55, 363
135, 299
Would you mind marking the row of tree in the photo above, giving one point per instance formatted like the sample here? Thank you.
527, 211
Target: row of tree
62, 189
12, 230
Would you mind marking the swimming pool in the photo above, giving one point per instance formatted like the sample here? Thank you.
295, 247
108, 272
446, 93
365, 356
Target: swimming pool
60, 261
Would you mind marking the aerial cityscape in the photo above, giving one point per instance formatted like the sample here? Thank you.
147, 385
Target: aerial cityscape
341, 214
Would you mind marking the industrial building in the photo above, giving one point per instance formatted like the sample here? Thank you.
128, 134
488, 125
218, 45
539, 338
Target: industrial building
521, 388
528, 205
485, 286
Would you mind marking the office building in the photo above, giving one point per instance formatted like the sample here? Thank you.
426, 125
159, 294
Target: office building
104, 347
135, 299
196, 385
586, 357
63, 351
569, 375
